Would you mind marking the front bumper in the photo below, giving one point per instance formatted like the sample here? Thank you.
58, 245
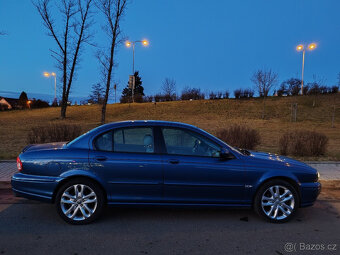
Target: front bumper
309, 193
35, 187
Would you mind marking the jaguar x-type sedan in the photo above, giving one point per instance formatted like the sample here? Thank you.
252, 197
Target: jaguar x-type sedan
160, 163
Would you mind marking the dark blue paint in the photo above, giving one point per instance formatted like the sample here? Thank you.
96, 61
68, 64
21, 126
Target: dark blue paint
159, 179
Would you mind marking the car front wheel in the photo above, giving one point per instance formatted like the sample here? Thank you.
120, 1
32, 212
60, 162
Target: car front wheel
277, 201
79, 201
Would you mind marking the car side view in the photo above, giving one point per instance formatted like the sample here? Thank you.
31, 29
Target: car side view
160, 163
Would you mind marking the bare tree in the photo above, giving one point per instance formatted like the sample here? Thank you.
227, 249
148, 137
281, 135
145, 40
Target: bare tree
97, 94
113, 11
264, 81
169, 89
73, 33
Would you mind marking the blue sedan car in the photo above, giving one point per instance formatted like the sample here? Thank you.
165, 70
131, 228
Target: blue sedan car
160, 163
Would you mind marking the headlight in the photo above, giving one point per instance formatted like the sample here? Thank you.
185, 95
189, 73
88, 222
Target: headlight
317, 176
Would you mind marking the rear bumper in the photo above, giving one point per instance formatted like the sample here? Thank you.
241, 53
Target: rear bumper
35, 187
309, 193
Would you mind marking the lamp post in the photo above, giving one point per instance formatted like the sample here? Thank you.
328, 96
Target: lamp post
128, 44
302, 48
47, 75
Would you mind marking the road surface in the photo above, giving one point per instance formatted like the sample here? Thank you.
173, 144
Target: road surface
34, 228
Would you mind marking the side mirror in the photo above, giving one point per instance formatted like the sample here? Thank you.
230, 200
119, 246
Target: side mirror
225, 154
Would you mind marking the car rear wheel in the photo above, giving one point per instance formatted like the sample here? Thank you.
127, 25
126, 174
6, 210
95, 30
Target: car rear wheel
277, 201
79, 201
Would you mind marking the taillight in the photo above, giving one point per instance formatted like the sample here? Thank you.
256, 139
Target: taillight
19, 164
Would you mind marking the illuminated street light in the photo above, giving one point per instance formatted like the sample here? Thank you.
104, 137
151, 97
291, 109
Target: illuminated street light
312, 46
47, 75
301, 47
29, 102
128, 44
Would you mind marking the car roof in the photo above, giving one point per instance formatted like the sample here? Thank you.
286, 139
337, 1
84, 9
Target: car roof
146, 123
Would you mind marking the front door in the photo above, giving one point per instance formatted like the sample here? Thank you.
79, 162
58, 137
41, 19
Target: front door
195, 173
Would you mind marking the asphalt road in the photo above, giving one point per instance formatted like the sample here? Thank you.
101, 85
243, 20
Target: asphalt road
35, 228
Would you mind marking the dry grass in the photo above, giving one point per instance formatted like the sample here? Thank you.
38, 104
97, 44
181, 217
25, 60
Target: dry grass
211, 115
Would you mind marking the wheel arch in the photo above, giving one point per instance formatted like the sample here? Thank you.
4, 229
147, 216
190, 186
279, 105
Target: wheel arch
72, 177
290, 180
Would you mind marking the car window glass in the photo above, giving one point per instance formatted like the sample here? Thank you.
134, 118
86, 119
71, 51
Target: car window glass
133, 140
104, 142
184, 142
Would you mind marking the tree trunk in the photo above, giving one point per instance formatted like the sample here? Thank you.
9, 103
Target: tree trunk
63, 109
103, 112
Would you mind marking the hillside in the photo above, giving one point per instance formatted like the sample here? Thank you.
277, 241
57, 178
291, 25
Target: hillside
210, 115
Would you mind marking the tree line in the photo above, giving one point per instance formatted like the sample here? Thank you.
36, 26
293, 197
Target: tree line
265, 83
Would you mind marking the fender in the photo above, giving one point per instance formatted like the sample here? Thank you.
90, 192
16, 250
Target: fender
84, 173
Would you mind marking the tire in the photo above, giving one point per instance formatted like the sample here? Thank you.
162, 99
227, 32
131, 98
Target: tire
79, 201
273, 207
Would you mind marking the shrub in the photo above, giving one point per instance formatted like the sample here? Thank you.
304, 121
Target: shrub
303, 143
334, 89
53, 133
192, 94
226, 94
237, 93
243, 93
240, 136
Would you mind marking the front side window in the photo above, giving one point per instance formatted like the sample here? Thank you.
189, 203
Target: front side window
185, 142
133, 140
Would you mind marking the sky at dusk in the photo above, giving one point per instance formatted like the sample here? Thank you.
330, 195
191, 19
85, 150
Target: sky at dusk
210, 44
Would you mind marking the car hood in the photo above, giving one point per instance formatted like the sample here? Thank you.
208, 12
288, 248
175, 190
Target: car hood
44, 146
282, 160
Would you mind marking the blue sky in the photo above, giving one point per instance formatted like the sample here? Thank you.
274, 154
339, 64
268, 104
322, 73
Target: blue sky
213, 45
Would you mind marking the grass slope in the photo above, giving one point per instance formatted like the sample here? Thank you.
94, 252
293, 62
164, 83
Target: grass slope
210, 115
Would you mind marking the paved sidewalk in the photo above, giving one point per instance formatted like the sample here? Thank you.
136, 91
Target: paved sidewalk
329, 170
7, 169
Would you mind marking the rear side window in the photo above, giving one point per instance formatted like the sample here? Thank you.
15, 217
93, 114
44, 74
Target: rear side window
134, 140
104, 142
138, 140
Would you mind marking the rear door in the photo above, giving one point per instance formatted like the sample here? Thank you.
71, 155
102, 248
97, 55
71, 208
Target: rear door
128, 160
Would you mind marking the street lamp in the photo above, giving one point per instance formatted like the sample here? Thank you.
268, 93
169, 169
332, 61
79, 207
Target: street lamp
128, 44
47, 75
301, 47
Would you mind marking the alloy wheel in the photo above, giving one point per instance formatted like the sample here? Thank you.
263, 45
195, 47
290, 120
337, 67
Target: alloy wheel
277, 202
78, 202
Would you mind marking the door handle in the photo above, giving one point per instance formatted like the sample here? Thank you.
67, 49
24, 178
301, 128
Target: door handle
101, 158
173, 161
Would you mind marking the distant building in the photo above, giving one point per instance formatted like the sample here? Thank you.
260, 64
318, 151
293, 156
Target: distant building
7, 103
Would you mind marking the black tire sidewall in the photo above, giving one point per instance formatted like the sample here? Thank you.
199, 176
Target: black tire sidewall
94, 187
258, 203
